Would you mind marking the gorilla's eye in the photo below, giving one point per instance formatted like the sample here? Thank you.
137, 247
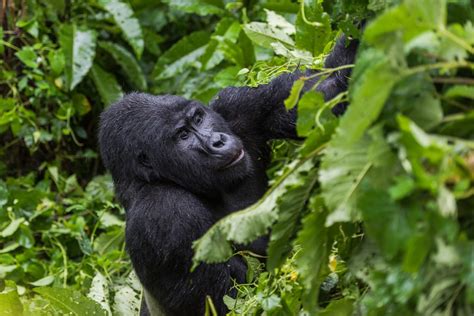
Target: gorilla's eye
183, 134
197, 118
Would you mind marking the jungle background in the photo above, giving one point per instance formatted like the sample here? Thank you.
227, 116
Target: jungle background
372, 214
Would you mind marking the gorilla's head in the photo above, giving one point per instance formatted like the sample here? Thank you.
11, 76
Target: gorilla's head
168, 138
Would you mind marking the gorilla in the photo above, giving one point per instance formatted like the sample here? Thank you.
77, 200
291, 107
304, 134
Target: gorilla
179, 166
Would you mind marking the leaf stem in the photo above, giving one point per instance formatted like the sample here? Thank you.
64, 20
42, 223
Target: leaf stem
303, 16
444, 32
444, 65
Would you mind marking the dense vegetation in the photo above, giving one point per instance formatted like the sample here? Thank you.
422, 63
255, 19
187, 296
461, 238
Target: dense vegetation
372, 214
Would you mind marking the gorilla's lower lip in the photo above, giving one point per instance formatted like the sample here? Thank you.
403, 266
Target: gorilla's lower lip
235, 159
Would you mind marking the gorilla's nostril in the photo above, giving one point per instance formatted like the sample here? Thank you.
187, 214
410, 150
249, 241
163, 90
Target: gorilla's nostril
219, 141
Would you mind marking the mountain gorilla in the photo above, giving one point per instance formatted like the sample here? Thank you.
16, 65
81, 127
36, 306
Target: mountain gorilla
179, 166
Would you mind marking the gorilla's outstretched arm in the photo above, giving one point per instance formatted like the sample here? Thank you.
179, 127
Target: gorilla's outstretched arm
262, 108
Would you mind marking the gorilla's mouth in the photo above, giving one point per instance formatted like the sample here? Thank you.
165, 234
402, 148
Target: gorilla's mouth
235, 159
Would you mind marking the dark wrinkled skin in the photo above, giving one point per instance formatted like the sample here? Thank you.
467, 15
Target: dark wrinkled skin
179, 166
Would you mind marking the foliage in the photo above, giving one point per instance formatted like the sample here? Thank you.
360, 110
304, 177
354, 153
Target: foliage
370, 214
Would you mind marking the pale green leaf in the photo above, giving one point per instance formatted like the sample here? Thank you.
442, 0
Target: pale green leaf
99, 292
78, 46
201, 7
263, 34
70, 302
124, 18
294, 96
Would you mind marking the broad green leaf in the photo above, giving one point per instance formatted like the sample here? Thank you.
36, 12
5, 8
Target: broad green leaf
70, 302
28, 56
342, 307
415, 97
460, 92
310, 37
245, 226
277, 21
411, 18
128, 63
308, 107
108, 87
201, 7
344, 169
228, 29
124, 18
312, 255
417, 248
182, 54
289, 208
78, 46
109, 241
384, 221
295, 92
10, 304
263, 34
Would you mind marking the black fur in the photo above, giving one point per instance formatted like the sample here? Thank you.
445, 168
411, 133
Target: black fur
175, 185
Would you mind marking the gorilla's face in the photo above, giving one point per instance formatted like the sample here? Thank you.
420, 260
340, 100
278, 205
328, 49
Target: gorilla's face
197, 145
169, 138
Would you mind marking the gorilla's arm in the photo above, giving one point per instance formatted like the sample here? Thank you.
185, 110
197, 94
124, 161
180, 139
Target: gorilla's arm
161, 227
261, 110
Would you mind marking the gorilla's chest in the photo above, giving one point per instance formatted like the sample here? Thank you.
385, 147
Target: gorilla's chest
239, 197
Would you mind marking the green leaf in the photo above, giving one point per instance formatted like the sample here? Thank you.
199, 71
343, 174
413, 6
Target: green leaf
78, 46
295, 92
310, 259
128, 63
226, 29
27, 56
109, 241
201, 7
263, 34
310, 37
123, 17
460, 91
184, 53
308, 107
345, 169
417, 248
384, 221
70, 302
245, 226
10, 304
411, 18
47, 280
12, 227
289, 207
108, 87
342, 307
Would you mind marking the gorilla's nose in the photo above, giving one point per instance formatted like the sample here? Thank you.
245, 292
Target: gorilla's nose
218, 140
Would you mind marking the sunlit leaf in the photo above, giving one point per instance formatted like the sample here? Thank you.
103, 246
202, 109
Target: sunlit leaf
124, 18
78, 46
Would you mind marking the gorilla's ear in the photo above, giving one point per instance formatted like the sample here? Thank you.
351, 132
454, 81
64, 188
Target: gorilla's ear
144, 169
